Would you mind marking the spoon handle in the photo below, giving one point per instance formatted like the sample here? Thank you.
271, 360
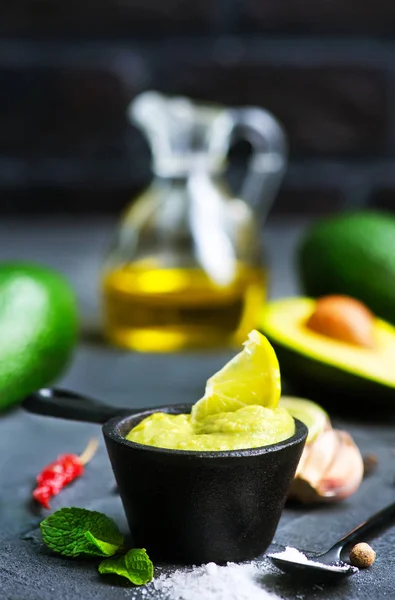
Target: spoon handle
64, 404
369, 528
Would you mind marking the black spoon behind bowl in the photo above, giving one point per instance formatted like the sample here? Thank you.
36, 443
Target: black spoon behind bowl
187, 506
65, 404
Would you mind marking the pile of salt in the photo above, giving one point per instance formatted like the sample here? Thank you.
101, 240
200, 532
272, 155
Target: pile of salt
211, 582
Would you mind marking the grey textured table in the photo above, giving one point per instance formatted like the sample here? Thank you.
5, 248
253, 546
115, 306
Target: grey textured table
27, 570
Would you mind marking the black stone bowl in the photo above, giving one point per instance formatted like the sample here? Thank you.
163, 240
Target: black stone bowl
185, 506
196, 507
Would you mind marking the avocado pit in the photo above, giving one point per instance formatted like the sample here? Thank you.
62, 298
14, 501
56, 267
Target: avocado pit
343, 318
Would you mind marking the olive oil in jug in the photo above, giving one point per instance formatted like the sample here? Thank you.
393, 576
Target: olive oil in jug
186, 269
156, 309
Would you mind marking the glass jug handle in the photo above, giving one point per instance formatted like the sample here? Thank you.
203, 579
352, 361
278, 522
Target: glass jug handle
267, 164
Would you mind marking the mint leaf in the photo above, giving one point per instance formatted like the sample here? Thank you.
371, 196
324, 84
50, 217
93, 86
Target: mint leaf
75, 531
139, 566
135, 566
104, 548
114, 566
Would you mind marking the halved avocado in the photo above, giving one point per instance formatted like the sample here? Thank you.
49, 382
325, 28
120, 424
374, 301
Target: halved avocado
328, 370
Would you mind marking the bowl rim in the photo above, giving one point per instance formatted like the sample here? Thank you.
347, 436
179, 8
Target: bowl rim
111, 430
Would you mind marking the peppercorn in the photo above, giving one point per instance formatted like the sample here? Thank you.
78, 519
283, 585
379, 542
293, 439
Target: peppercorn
362, 555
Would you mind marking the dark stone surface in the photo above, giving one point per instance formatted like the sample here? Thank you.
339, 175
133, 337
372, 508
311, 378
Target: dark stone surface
27, 570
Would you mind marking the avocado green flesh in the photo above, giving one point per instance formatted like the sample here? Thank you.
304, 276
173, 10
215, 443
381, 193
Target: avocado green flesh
284, 323
333, 388
248, 427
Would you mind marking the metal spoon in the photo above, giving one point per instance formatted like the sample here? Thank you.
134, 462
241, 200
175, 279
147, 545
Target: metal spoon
329, 565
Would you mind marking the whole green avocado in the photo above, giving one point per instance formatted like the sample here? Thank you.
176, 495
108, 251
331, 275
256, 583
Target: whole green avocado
352, 254
38, 329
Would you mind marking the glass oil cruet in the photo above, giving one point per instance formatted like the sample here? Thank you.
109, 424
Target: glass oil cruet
186, 268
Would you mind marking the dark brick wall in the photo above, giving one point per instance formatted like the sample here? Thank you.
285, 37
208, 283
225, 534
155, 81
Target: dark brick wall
325, 110
326, 16
68, 71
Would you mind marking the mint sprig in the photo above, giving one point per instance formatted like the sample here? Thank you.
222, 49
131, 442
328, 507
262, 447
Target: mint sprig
77, 531
135, 566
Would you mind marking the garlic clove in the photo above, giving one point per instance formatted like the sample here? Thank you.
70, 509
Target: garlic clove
345, 474
317, 457
331, 469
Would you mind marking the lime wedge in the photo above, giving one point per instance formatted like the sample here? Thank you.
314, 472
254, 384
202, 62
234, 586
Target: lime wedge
310, 413
251, 377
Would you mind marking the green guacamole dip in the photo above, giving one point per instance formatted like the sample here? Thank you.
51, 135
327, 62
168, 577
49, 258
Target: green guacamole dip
247, 427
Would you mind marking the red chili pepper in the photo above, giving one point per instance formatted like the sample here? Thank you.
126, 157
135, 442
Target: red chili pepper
55, 476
